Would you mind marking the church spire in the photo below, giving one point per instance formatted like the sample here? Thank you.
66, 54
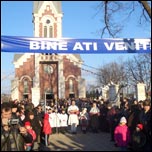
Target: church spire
38, 4
47, 19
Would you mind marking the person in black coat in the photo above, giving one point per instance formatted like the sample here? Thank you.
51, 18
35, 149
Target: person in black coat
13, 136
35, 123
138, 139
145, 119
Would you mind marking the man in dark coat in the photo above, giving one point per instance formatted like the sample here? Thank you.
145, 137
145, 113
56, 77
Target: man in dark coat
35, 123
13, 136
145, 119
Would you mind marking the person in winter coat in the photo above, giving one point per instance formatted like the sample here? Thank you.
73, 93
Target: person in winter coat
63, 121
138, 139
84, 120
13, 136
29, 146
47, 130
36, 125
122, 134
73, 120
52, 119
145, 119
94, 117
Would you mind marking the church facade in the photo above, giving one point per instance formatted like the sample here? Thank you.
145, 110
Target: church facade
40, 76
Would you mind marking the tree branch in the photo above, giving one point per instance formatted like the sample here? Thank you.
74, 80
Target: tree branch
146, 7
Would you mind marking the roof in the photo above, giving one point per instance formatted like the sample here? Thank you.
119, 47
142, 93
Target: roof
17, 56
38, 4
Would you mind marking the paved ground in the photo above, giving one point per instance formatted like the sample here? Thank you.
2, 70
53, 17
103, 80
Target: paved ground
81, 142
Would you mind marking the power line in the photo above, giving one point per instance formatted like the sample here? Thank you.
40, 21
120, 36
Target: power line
90, 72
71, 60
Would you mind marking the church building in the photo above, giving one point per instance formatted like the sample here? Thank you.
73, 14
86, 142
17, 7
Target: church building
40, 76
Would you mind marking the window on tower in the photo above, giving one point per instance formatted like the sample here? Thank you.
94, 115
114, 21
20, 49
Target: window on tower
45, 31
48, 21
50, 31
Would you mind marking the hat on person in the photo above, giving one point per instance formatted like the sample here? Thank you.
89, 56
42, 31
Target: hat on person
140, 126
27, 123
123, 119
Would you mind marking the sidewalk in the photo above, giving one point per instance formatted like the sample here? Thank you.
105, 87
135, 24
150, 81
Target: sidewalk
82, 142
79, 142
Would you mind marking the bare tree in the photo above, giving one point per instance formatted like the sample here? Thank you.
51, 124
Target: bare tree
138, 70
112, 73
114, 25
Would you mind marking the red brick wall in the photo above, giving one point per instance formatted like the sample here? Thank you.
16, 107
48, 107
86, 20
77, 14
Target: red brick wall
26, 69
71, 69
49, 80
40, 29
55, 30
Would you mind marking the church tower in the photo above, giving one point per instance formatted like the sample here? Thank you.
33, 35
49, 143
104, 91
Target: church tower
40, 76
47, 19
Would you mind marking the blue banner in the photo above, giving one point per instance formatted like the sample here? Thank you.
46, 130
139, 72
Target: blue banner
74, 46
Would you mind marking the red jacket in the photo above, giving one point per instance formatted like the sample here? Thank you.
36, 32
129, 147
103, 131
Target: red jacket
32, 132
46, 125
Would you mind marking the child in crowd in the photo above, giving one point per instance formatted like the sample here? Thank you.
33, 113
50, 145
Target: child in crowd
29, 146
51, 119
63, 121
56, 120
47, 130
138, 139
84, 120
122, 134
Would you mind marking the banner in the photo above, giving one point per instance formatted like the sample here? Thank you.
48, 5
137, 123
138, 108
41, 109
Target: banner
74, 46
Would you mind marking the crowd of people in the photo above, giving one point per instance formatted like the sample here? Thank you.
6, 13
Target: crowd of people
23, 124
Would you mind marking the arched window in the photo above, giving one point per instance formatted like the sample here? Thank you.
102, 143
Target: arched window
70, 86
48, 29
25, 85
45, 31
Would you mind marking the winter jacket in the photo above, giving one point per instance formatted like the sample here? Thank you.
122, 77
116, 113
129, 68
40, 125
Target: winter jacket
46, 125
13, 140
122, 135
32, 132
